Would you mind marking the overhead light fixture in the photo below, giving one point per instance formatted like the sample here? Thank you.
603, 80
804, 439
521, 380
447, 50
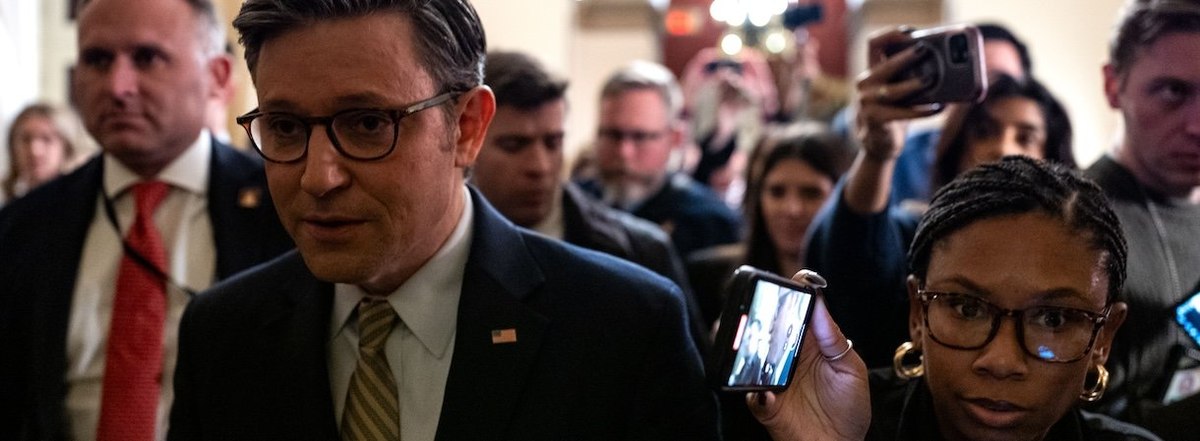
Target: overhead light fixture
775, 42
731, 44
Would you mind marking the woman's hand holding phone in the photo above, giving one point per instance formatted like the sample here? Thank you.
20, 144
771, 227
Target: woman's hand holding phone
828, 398
881, 94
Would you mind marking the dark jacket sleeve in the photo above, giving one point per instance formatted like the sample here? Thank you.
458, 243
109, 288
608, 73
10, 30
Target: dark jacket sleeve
661, 409
660, 257
863, 257
184, 420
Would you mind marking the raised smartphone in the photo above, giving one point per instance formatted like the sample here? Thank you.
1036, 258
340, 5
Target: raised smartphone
952, 66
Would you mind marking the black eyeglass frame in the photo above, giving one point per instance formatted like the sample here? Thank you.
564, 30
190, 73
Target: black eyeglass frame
396, 116
1018, 315
613, 136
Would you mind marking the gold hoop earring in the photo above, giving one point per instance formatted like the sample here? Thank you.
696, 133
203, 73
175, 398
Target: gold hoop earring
908, 372
1096, 391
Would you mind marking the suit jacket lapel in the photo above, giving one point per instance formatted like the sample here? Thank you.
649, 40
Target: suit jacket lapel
245, 227
498, 337
57, 260
296, 336
586, 225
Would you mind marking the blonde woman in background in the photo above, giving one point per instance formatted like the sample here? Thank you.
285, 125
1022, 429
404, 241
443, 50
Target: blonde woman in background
41, 146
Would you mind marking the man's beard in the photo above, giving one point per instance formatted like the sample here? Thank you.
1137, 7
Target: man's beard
625, 190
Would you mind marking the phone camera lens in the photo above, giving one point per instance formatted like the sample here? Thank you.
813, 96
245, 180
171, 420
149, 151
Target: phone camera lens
959, 50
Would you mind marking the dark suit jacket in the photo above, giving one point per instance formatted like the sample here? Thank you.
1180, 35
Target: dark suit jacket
595, 226
41, 243
692, 214
602, 352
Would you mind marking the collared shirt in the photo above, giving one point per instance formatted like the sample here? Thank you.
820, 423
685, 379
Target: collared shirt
186, 231
420, 345
552, 225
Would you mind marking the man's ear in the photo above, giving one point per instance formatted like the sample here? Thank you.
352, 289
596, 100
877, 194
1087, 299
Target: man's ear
1112, 86
679, 133
475, 110
916, 319
221, 71
681, 130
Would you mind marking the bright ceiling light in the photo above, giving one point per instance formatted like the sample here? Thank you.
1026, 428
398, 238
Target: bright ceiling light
731, 44
776, 42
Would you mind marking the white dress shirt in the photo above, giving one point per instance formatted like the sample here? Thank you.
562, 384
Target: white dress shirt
420, 345
186, 231
552, 226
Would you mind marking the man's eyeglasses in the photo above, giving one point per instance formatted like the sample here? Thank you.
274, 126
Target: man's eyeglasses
638, 137
1048, 333
362, 134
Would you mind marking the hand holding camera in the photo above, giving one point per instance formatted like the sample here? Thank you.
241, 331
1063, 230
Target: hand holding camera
912, 74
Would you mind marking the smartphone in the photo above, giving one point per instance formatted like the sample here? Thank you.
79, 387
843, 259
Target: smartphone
762, 327
952, 66
1187, 314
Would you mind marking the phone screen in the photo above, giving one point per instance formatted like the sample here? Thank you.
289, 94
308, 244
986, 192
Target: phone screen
1188, 316
768, 336
1185, 381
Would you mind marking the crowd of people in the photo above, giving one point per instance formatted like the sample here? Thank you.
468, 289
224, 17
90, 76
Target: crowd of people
401, 253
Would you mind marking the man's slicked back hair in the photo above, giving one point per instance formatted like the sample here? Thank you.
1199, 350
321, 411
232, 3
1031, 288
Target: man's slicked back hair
1143, 22
520, 81
447, 34
1018, 185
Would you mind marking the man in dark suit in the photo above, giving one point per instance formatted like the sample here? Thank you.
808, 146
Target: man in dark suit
519, 170
413, 310
143, 81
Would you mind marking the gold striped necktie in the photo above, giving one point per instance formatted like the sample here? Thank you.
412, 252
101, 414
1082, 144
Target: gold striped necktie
372, 409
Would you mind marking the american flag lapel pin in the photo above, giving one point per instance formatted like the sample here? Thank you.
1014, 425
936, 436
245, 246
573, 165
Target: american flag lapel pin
502, 336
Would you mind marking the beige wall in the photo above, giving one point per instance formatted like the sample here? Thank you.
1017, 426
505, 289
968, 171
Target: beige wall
20, 30
58, 51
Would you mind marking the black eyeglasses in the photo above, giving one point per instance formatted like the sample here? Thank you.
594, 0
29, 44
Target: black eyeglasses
1048, 333
638, 137
362, 134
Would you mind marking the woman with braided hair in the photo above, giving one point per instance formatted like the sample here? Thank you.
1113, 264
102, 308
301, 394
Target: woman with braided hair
859, 241
1015, 275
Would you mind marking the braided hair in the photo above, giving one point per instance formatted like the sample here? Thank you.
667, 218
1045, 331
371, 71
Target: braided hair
1017, 185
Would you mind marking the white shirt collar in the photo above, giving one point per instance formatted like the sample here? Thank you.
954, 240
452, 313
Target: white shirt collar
189, 171
552, 225
427, 302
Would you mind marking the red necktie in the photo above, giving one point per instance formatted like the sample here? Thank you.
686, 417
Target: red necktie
133, 368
